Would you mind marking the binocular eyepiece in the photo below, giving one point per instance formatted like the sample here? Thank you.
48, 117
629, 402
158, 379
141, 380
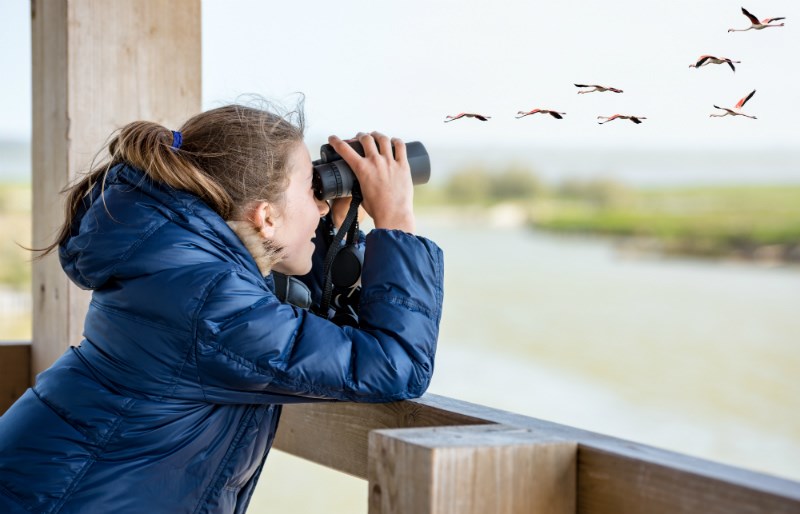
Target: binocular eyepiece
333, 177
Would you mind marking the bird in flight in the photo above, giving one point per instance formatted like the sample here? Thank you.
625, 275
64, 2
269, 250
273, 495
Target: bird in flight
704, 60
466, 115
635, 119
735, 110
595, 87
555, 114
758, 25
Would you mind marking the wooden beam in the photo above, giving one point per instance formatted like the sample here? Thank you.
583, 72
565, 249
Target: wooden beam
97, 65
614, 475
470, 470
335, 434
15, 372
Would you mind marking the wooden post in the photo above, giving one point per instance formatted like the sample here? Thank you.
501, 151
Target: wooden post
15, 371
97, 65
470, 470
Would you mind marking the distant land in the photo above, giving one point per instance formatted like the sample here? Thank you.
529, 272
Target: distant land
660, 167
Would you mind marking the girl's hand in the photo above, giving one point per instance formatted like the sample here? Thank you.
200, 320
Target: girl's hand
385, 179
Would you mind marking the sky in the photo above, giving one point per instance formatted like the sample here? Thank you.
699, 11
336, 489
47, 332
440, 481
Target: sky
402, 67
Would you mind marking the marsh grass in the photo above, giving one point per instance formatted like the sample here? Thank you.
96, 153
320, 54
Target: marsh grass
748, 222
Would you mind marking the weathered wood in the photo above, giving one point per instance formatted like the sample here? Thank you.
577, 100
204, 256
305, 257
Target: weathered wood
15, 371
614, 475
335, 434
97, 64
470, 470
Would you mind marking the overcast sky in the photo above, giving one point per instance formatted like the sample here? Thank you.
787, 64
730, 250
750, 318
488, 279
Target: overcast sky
401, 67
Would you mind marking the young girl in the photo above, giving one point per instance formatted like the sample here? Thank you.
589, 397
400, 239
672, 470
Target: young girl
171, 402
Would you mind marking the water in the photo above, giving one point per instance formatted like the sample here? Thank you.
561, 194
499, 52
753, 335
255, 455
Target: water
696, 356
699, 357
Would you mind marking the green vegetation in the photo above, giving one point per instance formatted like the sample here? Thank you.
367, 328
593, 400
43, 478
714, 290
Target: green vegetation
15, 265
742, 221
15, 230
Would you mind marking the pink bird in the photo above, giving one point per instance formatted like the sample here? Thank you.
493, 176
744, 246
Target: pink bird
735, 110
704, 60
758, 25
555, 114
635, 119
466, 115
600, 89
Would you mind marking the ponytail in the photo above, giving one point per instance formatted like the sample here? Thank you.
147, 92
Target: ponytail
149, 147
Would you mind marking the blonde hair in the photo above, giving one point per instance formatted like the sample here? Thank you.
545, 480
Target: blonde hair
228, 157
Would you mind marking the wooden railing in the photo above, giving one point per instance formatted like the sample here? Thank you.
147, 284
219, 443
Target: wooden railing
440, 455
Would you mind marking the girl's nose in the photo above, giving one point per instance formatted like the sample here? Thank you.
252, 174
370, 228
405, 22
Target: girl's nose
323, 207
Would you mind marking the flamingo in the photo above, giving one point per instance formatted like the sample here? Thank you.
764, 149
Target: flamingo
758, 25
600, 89
555, 114
635, 119
704, 60
732, 112
466, 115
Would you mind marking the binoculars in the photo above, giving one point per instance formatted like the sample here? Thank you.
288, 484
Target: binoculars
333, 177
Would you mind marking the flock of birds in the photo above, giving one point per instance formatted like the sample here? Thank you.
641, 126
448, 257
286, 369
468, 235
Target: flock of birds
703, 60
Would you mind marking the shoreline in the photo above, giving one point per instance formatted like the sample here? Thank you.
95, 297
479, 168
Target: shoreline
513, 216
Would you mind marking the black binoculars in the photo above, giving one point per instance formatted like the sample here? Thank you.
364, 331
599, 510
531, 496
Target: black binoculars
333, 177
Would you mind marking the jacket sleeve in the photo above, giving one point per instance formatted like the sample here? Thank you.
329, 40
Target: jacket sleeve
252, 348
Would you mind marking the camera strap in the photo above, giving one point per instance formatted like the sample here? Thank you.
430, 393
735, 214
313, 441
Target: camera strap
350, 228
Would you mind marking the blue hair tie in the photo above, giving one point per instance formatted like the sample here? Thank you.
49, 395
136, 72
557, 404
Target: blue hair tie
177, 139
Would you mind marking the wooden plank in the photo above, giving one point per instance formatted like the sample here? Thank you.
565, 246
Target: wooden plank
97, 65
614, 475
335, 434
470, 470
15, 372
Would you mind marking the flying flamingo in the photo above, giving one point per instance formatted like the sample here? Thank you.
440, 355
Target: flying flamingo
758, 25
635, 119
600, 89
466, 115
732, 112
554, 114
704, 60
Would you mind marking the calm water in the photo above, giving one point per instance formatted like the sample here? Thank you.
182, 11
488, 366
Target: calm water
695, 356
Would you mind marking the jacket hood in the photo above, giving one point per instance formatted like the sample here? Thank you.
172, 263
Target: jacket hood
130, 212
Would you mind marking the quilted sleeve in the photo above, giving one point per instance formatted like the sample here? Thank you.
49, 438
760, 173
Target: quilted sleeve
252, 348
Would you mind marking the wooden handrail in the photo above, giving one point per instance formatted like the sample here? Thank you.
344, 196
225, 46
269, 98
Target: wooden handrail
15, 371
611, 475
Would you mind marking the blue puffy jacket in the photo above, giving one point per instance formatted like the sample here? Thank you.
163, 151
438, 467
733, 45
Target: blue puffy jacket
171, 402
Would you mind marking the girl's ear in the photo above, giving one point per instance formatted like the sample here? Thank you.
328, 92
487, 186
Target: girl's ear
262, 216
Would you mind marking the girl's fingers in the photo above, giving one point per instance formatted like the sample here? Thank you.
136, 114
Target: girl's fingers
368, 143
399, 149
343, 149
384, 144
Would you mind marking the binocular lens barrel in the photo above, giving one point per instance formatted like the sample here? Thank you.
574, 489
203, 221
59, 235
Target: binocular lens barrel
333, 177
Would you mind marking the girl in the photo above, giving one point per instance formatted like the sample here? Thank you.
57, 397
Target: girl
171, 402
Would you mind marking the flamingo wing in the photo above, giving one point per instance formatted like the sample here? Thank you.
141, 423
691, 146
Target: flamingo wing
702, 59
770, 20
745, 99
583, 85
752, 18
730, 63
635, 119
554, 114
481, 117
